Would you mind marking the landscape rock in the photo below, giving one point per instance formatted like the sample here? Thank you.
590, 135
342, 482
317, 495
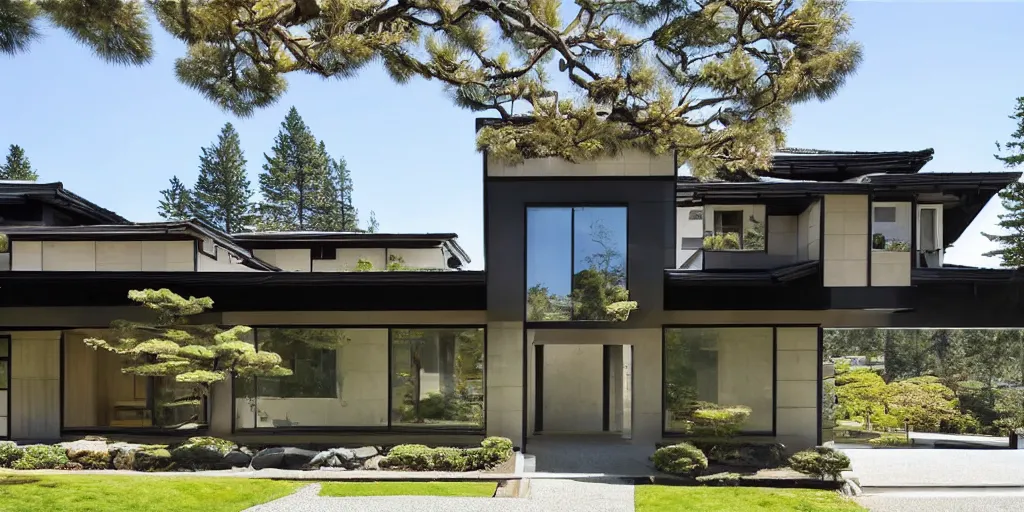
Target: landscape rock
151, 458
121, 454
237, 459
89, 453
283, 458
202, 453
335, 458
373, 463
366, 452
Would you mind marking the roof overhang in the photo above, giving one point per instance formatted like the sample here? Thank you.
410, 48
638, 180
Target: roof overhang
301, 239
54, 194
837, 166
255, 291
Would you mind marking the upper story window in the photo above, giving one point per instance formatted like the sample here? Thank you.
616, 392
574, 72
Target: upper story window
575, 262
735, 229
890, 227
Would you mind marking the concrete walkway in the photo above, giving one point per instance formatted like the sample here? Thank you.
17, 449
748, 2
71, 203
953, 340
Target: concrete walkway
901, 468
544, 496
963, 440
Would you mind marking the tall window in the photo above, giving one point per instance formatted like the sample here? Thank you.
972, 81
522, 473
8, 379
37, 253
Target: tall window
437, 377
575, 262
890, 227
5, 384
718, 367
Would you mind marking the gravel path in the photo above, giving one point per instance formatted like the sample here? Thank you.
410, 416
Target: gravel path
938, 468
545, 496
945, 500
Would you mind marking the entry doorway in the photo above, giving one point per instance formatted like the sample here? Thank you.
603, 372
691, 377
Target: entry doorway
583, 389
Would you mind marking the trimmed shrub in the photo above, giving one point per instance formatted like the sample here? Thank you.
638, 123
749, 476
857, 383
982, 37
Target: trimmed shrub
890, 440
680, 459
9, 454
42, 456
720, 479
821, 462
736, 452
715, 420
417, 457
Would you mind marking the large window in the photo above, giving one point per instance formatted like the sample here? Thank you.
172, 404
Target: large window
97, 395
5, 384
437, 377
724, 367
890, 227
575, 262
342, 378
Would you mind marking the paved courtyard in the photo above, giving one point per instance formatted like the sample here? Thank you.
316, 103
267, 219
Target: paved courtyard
911, 467
545, 496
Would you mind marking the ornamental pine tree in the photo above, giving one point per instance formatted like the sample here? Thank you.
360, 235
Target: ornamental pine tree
177, 202
714, 81
223, 195
17, 166
170, 346
1011, 241
292, 179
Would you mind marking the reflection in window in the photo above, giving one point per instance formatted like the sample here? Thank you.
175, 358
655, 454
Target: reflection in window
437, 377
890, 227
721, 366
339, 378
732, 233
575, 262
98, 395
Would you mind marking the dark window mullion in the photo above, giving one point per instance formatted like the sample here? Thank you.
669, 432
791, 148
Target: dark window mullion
572, 262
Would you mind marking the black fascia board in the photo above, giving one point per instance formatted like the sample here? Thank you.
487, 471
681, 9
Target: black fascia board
286, 239
56, 195
950, 275
381, 278
774, 276
843, 165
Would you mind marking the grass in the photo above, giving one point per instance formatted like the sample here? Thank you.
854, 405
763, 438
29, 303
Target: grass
451, 489
100, 493
659, 498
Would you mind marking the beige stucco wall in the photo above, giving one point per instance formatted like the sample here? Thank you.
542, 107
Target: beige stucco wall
35, 385
627, 163
573, 398
289, 260
846, 240
809, 232
224, 262
504, 370
797, 364
890, 268
170, 256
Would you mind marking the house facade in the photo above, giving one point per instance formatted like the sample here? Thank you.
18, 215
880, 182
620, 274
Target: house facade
391, 340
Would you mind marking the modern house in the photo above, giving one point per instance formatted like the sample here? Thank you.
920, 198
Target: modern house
391, 340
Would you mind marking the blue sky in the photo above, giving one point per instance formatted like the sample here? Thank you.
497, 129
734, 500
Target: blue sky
935, 74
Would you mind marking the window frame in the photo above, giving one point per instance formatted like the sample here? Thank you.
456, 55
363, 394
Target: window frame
571, 322
6, 386
390, 428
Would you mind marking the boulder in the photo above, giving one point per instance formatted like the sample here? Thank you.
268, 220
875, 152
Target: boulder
121, 454
237, 459
373, 463
335, 458
366, 452
202, 453
151, 458
283, 458
89, 453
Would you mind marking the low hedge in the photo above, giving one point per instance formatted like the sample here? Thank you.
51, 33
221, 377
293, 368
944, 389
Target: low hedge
890, 440
42, 456
418, 457
680, 459
9, 454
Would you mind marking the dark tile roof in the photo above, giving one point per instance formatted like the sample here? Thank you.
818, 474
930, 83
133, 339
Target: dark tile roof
56, 195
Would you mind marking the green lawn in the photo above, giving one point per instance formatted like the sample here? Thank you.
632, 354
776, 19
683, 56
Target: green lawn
100, 493
455, 489
659, 498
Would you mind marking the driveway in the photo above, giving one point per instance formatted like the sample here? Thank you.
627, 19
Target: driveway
910, 467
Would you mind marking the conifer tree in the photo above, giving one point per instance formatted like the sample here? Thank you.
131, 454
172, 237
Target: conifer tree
372, 226
177, 202
292, 179
173, 347
17, 166
223, 195
341, 181
1011, 241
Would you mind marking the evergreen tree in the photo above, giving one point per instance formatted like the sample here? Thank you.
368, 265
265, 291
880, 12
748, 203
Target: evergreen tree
222, 193
372, 226
341, 182
1011, 241
177, 202
17, 167
293, 178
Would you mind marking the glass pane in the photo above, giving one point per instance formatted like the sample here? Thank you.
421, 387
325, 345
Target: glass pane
339, 378
725, 367
177, 405
438, 377
548, 263
599, 260
928, 229
4, 375
5, 347
890, 227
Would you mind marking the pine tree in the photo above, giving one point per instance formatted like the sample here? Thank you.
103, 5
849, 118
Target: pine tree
1011, 242
292, 177
372, 226
223, 193
341, 180
177, 202
17, 167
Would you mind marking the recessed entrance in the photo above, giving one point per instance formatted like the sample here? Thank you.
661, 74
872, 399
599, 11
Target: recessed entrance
583, 389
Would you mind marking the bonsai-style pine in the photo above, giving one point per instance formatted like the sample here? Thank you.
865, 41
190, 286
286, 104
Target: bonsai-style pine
172, 347
713, 80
